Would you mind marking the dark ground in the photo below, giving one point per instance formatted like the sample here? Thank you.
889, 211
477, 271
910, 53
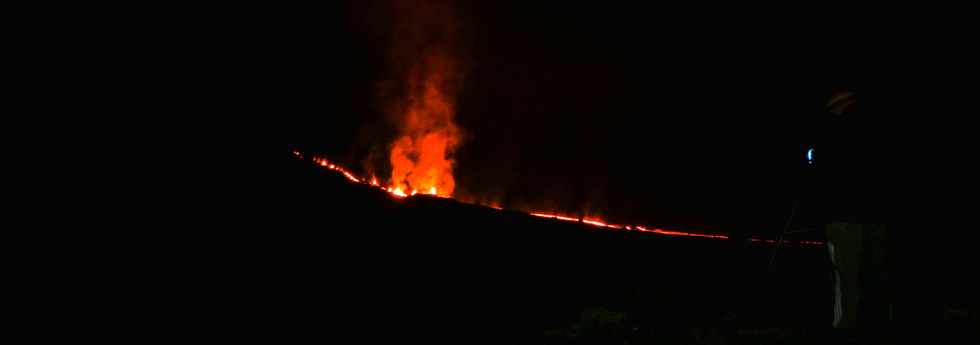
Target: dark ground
360, 262
293, 252
346, 259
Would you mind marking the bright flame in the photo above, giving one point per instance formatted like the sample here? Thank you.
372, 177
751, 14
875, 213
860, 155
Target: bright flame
399, 192
422, 157
593, 222
555, 216
427, 56
351, 177
432, 190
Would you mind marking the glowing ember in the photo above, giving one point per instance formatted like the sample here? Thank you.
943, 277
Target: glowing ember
555, 216
679, 233
593, 222
374, 181
351, 177
398, 192
432, 190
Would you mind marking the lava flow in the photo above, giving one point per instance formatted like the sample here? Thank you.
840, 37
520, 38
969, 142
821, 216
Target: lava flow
398, 192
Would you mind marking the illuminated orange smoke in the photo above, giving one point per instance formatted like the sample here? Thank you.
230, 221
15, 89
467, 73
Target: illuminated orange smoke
421, 159
426, 60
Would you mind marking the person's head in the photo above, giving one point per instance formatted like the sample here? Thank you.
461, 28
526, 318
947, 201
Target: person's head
841, 102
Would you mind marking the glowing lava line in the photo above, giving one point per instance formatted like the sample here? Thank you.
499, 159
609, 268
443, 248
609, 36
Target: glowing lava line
399, 193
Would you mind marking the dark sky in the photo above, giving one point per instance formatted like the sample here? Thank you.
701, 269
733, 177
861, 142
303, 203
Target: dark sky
633, 113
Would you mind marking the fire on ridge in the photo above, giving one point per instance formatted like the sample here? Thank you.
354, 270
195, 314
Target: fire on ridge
397, 192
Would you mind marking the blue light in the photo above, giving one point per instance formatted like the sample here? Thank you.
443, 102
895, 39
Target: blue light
809, 156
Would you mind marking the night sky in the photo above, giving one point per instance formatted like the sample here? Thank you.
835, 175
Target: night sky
693, 120
629, 113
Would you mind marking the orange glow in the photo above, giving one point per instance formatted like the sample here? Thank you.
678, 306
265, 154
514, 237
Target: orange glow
422, 157
374, 181
555, 216
601, 223
679, 233
593, 222
399, 192
427, 76
351, 177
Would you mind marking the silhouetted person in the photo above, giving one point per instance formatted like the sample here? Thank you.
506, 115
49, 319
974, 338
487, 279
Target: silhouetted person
847, 165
